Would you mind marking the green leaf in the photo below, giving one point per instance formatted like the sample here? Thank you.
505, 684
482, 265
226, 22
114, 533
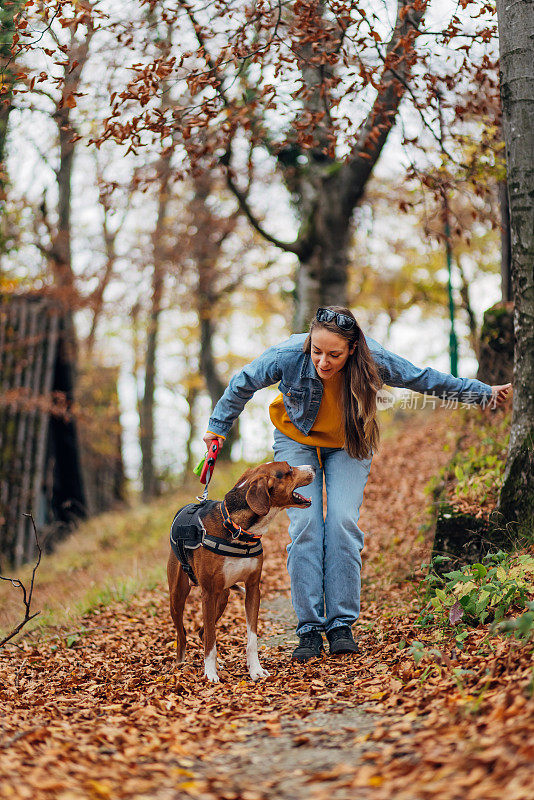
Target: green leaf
479, 570
466, 602
455, 576
482, 603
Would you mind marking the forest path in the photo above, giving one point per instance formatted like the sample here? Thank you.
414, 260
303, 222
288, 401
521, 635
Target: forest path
103, 711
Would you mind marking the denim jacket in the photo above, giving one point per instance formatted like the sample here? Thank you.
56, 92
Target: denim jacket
302, 388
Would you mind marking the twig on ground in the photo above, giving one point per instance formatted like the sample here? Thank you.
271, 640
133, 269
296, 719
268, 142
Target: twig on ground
26, 594
20, 735
17, 677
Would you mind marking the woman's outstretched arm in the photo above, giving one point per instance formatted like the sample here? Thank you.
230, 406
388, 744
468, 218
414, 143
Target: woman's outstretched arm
401, 373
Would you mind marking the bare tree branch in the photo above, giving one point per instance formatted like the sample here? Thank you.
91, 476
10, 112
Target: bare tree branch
381, 117
26, 594
242, 199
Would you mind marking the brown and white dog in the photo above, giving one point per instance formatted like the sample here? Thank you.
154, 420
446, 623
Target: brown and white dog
252, 503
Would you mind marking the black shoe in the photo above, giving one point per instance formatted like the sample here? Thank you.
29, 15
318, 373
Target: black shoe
310, 646
341, 641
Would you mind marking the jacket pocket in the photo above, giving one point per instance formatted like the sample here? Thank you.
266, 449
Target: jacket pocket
292, 395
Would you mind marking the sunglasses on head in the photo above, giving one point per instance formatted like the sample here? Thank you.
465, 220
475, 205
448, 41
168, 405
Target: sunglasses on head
342, 320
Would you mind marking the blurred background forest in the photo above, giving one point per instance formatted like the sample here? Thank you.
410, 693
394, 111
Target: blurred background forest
184, 182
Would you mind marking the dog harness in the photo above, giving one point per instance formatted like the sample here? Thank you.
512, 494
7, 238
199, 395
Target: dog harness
188, 533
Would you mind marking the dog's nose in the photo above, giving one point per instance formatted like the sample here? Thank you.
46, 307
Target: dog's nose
309, 469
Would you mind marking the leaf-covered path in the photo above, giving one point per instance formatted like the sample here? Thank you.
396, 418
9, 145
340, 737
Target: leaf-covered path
105, 713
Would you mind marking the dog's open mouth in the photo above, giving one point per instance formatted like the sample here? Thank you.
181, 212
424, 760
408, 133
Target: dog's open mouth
300, 500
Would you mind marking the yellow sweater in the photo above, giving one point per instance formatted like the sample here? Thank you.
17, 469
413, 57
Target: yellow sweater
327, 430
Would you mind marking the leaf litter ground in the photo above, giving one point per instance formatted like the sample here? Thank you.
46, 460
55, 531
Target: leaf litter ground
104, 712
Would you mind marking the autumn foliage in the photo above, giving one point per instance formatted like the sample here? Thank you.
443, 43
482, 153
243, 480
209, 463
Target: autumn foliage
100, 710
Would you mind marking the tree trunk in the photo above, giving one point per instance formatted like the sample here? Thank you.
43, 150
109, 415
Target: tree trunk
205, 248
97, 299
60, 255
214, 384
191, 397
146, 407
322, 274
506, 242
496, 347
468, 308
516, 38
8, 10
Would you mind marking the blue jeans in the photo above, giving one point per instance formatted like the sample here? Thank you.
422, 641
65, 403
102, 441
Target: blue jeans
324, 558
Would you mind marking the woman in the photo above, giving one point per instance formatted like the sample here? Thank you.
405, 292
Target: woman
326, 416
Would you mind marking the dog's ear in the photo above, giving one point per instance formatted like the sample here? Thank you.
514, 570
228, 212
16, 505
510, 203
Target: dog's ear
257, 497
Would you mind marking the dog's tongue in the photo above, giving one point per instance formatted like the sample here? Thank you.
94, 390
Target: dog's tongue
300, 498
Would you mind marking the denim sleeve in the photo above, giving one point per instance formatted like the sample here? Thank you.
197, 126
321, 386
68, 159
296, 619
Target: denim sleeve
262, 372
398, 371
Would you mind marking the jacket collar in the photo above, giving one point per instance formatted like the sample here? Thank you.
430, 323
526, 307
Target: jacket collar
308, 370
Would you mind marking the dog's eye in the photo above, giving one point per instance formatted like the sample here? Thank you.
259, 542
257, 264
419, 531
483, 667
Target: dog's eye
279, 475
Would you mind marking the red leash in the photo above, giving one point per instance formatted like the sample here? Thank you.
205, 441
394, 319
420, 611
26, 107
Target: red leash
209, 466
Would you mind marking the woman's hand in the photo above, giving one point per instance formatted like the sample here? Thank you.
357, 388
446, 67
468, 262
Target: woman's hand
210, 437
499, 395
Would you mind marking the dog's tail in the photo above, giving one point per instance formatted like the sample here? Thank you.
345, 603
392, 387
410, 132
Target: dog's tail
238, 588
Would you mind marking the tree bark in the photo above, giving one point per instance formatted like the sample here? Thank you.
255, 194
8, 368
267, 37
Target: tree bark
211, 376
191, 397
97, 298
496, 345
146, 407
474, 340
322, 273
506, 242
8, 10
516, 41
59, 253
205, 249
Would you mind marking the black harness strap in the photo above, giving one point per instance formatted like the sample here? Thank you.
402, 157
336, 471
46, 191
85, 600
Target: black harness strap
225, 548
188, 533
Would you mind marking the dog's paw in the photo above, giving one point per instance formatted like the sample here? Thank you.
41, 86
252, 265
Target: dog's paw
212, 676
258, 672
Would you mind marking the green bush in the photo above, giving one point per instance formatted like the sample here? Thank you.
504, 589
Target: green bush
474, 474
479, 593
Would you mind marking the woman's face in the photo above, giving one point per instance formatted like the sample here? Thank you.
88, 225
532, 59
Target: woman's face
329, 352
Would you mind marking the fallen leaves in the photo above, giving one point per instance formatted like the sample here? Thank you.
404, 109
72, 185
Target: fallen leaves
112, 716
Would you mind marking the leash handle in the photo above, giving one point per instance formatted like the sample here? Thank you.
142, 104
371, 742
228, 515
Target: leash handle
209, 463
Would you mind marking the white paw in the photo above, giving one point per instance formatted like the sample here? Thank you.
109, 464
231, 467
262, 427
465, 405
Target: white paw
211, 676
258, 672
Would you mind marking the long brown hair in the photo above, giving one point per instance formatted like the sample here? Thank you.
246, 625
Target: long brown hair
360, 385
